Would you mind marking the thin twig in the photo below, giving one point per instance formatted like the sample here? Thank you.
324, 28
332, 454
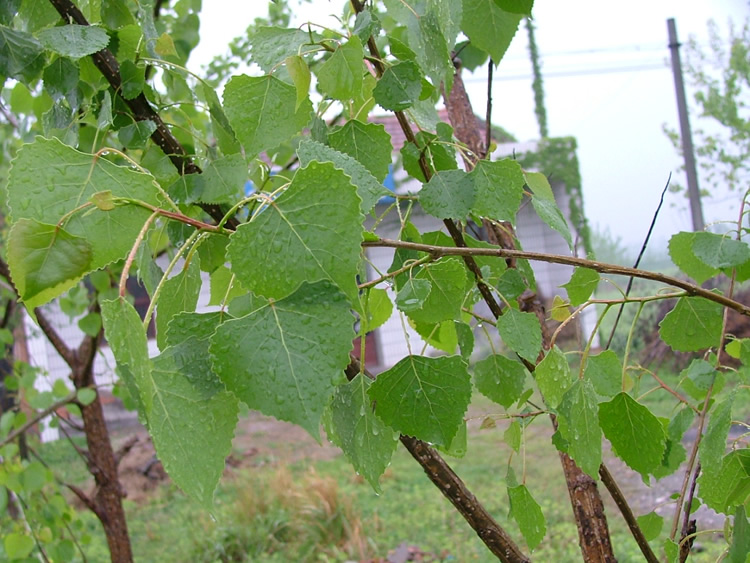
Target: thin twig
638, 261
439, 251
37, 417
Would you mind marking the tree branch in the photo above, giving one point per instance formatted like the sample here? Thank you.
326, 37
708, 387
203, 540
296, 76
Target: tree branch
455, 490
107, 64
604, 268
69, 398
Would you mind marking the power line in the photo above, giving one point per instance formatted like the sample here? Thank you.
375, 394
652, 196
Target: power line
579, 72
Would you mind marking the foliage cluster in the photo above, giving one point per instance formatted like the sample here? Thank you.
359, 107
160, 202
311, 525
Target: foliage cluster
126, 168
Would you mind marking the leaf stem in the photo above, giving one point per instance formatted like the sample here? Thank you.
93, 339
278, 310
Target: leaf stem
131, 255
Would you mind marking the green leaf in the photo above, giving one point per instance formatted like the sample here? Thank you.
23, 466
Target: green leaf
448, 195
304, 235
136, 135
366, 24
91, 324
543, 200
413, 294
636, 435
510, 284
604, 370
224, 180
499, 189
48, 179
521, 333
694, 324
127, 340
366, 441
579, 426
74, 41
179, 293
366, 142
219, 286
18, 546
60, 77
424, 397
165, 46
522, 7
368, 188
271, 45
720, 251
45, 260
379, 309
399, 87
21, 56
8, 10
651, 525
133, 79
340, 77
714, 441
219, 122
192, 430
465, 337
553, 377
528, 515
681, 252
500, 379
447, 278
581, 286
285, 357
300, 73
489, 27
730, 486
258, 108
86, 396
512, 436
438, 155
740, 548
459, 444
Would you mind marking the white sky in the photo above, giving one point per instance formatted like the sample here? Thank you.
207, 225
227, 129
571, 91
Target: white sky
616, 116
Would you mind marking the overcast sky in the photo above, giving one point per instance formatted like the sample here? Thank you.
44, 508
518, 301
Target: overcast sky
607, 82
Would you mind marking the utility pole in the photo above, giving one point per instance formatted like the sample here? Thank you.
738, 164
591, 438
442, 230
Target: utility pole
696, 210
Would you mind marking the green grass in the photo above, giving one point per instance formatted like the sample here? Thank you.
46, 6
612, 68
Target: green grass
323, 511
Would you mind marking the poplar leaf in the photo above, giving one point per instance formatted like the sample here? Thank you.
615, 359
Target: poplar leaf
340, 77
553, 377
165, 46
424, 397
304, 235
500, 379
512, 436
258, 110
728, 487
581, 286
740, 548
543, 200
521, 333
720, 251
365, 440
399, 87
528, 515
74, 41
604, 370
300, 73
447, 279
45, 260
179, 293
21, 56
133, 79
379, 309
489, 27
681, 253
694, 324
499, 189
61, 77
448, 195
224, 180
271, 45
412, 295
220, 290
369, 143
285, 357
714, 441
651, 525
368, 188
636, 435
579, 426
136, 135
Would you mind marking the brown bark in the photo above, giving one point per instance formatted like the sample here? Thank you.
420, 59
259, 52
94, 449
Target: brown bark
107, 500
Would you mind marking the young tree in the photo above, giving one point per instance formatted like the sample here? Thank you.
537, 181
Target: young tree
135, 162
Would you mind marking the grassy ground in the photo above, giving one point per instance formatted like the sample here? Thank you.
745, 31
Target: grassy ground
275, 510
